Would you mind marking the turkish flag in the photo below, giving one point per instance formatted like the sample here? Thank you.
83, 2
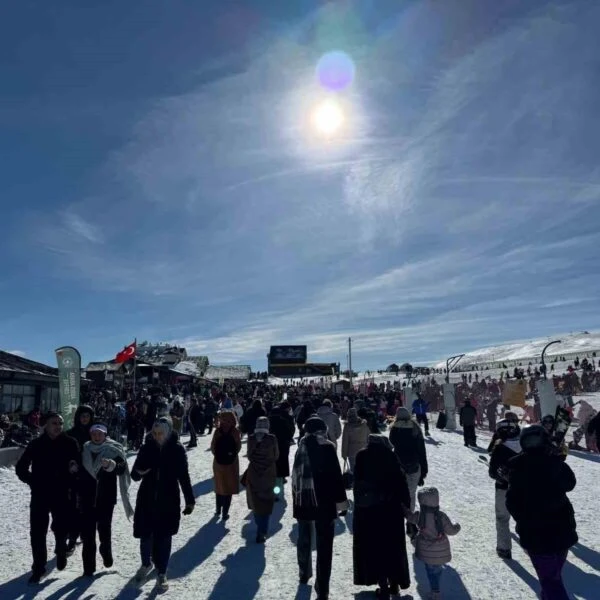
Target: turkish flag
127, 353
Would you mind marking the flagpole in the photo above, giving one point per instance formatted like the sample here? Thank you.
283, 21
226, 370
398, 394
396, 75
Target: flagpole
134, 366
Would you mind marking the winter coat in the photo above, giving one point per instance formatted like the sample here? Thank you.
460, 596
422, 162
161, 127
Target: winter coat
329, 484
409, 446
261, 473
537, 500
594, 427
419, 407
304, 413
468, 416
430, 547
100, 493
283, 428
334, 425
44, 466
196, 417
502, 454
379, 542
251, 416
354, 438
158, 506
81, 433
227, 477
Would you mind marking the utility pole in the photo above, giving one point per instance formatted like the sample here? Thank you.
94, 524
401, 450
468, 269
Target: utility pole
350, 359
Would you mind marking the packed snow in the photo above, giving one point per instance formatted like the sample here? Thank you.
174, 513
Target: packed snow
222, 562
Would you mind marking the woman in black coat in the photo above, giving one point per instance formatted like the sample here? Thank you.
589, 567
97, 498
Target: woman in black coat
162, 467
537, 500
379, 544
251, 415
283, 428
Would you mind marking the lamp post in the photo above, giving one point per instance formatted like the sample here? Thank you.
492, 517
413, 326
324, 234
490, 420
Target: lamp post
544, 352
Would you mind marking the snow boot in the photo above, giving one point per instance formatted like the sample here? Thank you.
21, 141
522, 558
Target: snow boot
504, 554
142, 573
61, 561
161, 582
36, 576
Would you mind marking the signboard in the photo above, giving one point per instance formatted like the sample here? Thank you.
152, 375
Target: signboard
287, 354
548, 399
69, 379
514, 392
449, 392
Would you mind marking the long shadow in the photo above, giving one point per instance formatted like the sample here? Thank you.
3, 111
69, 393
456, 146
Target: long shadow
433, 442
203, 487
525, 575
18, 587
349, 519
478, 450
339, 529
369, 595
243, 569
304, 592
585, 456
197, 549
579, 582
76, 588
587, 555
452, 584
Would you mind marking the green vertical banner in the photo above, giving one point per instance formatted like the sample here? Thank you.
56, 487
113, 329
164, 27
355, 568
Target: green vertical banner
69, 380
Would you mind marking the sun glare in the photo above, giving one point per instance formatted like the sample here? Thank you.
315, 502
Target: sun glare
328, 118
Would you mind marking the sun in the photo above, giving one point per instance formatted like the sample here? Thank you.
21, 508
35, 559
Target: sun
327, 118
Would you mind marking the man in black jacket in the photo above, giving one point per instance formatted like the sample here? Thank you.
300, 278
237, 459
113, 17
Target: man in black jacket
47, 466
505, 449
468, 418
319, 494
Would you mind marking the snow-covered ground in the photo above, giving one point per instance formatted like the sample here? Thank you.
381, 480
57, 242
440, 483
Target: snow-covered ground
217, 562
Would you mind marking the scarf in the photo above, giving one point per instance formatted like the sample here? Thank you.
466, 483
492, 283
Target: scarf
303, 484
437, 518
92, 463
514, 445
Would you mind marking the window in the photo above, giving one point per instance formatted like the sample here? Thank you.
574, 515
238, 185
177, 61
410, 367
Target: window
50, 399
17, 398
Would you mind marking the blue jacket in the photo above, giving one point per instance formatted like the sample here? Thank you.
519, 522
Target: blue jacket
419, 407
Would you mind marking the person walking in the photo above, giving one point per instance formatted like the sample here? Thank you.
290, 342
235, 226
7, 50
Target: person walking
260, 476
538, 484
210, 413
419, 409
319, 495
506, 448
380, 490
162, 467
248, 422
225, 446
334, 425
47, 466
104, 462
354, 437
432, 545
467, 419
409, 445
195, 419
283, 428
177, 413
306, 411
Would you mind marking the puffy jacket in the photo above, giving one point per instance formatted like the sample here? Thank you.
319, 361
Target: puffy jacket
334, 425
354, 438
468, 416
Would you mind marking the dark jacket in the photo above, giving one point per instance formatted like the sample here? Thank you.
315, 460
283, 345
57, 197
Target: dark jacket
100, 493
283, 428
409, 446
196, 417
594, 426
501, 456
158, 507
307, 411
44, 466
79, 432
378, 555
329, 484
250, 417
468, 416
537, 500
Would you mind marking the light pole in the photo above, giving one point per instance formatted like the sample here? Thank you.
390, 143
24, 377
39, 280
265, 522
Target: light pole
350, 359
544, 352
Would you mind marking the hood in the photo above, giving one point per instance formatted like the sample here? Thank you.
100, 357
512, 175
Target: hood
429, 496
324, 410
404, 424
82, 409
357, 423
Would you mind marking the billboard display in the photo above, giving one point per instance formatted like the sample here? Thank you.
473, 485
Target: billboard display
287, 354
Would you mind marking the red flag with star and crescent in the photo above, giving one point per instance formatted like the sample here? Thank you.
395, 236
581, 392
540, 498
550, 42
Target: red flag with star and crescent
127, 353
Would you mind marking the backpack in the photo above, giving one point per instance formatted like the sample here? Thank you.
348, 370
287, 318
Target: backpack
225, 449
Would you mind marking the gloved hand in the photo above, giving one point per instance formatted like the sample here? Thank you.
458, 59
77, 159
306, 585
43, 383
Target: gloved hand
73, 468
457, 526
343, 513
189, 509
108, 464
421, 482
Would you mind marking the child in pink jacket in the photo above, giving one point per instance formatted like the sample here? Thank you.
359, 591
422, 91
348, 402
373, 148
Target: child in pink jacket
432, 545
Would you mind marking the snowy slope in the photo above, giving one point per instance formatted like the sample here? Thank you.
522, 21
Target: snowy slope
223, 563
572, 344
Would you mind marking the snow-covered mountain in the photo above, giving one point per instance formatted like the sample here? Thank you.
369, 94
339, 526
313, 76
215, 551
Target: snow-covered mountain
571, 344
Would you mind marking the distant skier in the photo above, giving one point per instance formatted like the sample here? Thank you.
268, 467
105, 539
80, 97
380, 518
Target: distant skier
419, 409
506, 448
468, 418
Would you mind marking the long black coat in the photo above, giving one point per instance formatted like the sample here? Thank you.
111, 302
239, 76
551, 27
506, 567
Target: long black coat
283, 428
537, 500
379, 544
158, 508
328, 480
409, 446
100, 493
251, 416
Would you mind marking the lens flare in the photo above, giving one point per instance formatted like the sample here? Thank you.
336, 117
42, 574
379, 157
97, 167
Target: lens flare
335, 71
328, 118
277, 490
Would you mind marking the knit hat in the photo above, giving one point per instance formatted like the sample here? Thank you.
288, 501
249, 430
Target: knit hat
429, 496
314, 425
376, 439
165, 424
402, 414
262, 425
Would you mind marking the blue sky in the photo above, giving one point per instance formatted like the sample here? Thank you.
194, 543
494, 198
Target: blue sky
160, 179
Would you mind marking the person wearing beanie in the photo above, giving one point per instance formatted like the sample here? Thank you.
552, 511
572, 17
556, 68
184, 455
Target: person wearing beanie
104, 462
334, 425
467, 419
225, 446
380, 497
306, 412
260, 476
432, 545
162, 467
538, 483
47, 466
354, 437
283, 428
506, 448
319, 496
409, 445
